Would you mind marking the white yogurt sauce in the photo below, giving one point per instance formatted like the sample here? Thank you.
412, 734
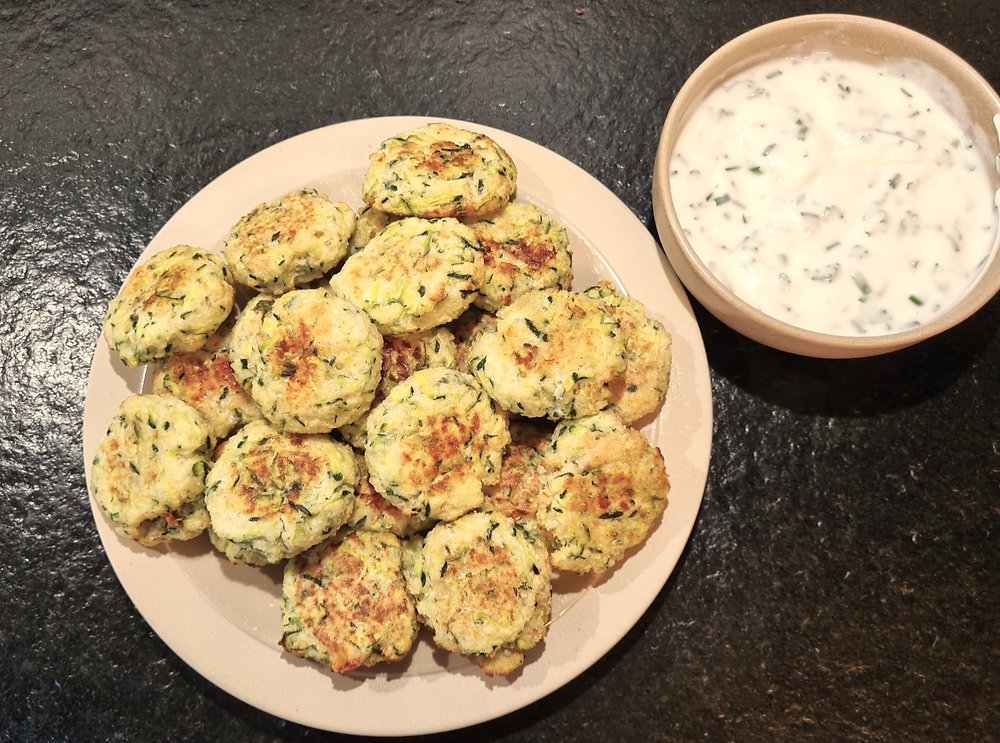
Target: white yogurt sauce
834, 195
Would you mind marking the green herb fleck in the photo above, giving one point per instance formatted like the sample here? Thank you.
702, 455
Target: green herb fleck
538, 333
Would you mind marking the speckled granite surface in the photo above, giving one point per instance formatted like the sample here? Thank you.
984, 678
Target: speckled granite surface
841, 583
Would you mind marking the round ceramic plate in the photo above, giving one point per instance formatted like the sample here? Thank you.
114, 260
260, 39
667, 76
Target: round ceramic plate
224, 620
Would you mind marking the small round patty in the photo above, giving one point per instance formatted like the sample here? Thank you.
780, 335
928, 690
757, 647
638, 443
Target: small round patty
518, 490
148, 475
604, 487
433, 442
345, 603
554, 354
242, 342
372, 512
523, 249
272, 495
401, 356
482, 584
648, 355
315, 362
205, 380
370, 222
171, 303
439, 170
289, 241
414, 275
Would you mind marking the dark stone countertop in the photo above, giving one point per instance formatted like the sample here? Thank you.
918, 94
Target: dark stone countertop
841, 580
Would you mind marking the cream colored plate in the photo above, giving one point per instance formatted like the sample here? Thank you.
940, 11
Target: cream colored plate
224, 620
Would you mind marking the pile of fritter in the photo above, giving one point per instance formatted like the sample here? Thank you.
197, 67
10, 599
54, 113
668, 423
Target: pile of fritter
412, 410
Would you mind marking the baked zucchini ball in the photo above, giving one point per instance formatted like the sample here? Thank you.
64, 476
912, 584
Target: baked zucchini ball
439, 170
648, 355
204, 379
370, 222
414, 275
401, 356
517, 492
345, 604
171, 303
604, 487
523, 249
272, 495
148, 474
314, 363
289, 241
372, 512
554, 354
433, 442
242, 343
482, 584
470, 325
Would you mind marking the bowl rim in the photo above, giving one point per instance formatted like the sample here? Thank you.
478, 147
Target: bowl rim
730, 59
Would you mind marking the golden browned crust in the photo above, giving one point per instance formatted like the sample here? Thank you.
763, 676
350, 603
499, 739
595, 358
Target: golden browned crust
345, 603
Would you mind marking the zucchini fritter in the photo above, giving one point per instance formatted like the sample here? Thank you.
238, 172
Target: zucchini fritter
314, 363
553, 354
439, 170
345, 604
272, 495
433, 442
414, 275
172, 303
524, 249
482, 584
605, 487
289, 241
148, 474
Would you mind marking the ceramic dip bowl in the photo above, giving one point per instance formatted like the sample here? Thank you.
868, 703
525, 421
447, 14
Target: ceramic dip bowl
827, 185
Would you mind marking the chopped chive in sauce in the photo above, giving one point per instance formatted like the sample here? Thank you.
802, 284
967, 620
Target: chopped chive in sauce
916, 300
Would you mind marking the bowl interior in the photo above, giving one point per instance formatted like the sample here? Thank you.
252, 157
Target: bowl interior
966, 96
